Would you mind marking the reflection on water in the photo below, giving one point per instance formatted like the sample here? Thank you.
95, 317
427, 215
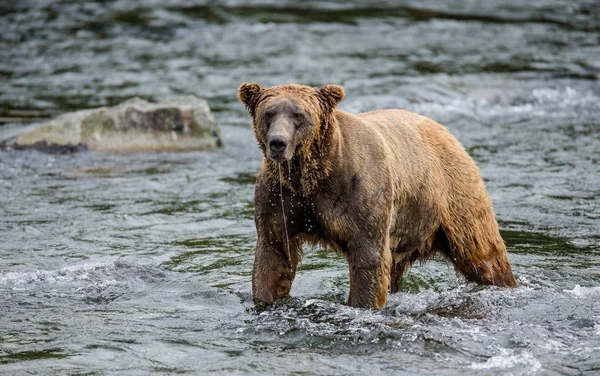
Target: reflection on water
141, 263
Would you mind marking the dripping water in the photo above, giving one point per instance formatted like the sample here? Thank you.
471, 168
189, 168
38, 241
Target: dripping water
287, 238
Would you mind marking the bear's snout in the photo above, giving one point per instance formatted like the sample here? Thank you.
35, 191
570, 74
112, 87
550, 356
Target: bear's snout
277, 146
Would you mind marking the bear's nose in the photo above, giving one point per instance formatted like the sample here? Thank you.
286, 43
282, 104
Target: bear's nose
277, 144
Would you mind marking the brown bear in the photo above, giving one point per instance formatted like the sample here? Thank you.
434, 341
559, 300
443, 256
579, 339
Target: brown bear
384, 188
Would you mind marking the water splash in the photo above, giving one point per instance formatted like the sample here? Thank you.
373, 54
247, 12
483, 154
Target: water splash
508, 359
287, 238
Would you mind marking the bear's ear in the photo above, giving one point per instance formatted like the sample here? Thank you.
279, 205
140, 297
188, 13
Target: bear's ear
331, 95
248, 94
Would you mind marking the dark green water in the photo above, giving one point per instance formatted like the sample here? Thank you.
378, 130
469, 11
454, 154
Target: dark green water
140, 263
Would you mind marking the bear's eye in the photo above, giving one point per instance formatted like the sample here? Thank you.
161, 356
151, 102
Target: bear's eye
269, 113
298, 115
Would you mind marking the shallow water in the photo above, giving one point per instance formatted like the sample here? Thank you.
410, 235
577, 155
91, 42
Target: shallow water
140, 263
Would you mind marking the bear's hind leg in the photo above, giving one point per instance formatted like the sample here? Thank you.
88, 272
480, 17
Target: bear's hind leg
482, 262
490, 272
402, 262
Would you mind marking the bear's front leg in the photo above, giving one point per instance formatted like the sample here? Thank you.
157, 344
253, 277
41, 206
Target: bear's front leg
370, 264
278, 251
274, 270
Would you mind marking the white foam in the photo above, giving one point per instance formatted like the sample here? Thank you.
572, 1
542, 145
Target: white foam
564, 97
101, 285
64, 275
566, 100
508, 359
410, 304
579, 291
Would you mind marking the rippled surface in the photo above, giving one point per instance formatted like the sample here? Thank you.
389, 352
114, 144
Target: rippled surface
140, 263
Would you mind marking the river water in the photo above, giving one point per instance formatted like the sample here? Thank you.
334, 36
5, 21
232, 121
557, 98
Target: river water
137, 264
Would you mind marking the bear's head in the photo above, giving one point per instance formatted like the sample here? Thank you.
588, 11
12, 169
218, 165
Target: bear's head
289, 119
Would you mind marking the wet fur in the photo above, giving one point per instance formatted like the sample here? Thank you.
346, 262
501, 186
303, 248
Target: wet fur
364, 185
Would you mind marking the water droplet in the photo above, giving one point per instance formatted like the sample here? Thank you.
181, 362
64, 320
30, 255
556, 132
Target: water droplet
284, 219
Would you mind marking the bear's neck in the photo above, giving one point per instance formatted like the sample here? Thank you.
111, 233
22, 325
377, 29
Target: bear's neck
306, 171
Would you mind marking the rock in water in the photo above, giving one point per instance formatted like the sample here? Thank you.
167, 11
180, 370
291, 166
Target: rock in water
178, 123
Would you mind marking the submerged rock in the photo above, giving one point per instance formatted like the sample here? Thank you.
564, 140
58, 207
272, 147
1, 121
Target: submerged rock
178, 123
